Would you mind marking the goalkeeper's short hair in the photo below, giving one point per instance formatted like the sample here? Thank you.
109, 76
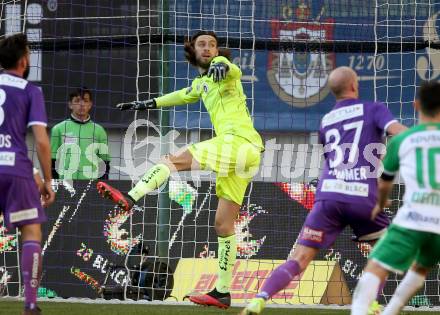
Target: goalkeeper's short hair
80, 92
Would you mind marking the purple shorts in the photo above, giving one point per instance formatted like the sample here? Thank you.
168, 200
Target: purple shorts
329, 217
20, 201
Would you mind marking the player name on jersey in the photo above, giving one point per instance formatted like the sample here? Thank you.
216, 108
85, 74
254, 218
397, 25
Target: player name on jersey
357, 173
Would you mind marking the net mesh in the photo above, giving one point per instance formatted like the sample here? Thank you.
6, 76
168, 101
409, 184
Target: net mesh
127, 50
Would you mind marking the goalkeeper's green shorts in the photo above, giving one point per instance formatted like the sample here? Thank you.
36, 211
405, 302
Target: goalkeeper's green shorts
233, 158
400, 247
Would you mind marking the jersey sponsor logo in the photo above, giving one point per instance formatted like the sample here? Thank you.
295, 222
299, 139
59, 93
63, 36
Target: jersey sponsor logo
7, 158
188, 90
70, 140
341, 114
9, 80
300, 78
23, 215
35, 263
224, 256
312, 235
426, 198
347, 188
417, 217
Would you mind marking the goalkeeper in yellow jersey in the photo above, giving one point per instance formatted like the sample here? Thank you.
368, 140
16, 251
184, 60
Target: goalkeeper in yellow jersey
234, 153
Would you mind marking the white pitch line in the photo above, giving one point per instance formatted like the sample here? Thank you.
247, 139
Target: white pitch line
189, 304
80, 200
55, 227
203, 202
179, 226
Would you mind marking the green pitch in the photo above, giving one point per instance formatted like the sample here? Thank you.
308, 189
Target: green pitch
52, 308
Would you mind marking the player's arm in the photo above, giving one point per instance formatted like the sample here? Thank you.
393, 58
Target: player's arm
384, 190
43, 151
385, 120
37, 119
222, 69
180, 97
38, 180
385, 182
395, 128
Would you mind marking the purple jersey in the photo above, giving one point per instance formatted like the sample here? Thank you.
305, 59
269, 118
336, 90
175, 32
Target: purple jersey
21, 106
352, 135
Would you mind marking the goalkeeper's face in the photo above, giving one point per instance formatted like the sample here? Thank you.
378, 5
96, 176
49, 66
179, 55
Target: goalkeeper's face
81, 106
206, 49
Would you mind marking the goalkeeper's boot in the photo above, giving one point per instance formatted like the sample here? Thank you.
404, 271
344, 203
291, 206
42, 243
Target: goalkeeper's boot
213, 298
124, 202
375, 308
255, 307
34, 311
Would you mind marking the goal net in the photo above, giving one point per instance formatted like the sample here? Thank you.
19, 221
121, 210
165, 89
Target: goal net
166, 247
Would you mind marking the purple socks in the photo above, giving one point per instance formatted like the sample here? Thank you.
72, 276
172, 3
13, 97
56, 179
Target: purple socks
279, 279
381, 287
31, 270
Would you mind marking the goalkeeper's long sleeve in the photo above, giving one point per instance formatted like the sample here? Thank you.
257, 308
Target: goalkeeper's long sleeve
180, 97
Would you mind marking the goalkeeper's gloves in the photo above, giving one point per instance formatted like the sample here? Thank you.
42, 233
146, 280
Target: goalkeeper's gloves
218, 71
138, 105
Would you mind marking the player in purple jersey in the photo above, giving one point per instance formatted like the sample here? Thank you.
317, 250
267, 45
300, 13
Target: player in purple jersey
22, 106
352, 135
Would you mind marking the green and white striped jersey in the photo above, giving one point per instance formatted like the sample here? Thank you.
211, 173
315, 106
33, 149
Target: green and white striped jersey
416, 154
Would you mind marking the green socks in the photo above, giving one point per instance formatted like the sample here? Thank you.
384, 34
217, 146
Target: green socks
227, 254
153, 179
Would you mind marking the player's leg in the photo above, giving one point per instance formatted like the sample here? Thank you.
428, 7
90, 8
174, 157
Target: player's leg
159, 173
410, 284
23, 210
154, 178
321, 228
428, 257
225, 216
235, 162
395, 252
31, 265
369, 231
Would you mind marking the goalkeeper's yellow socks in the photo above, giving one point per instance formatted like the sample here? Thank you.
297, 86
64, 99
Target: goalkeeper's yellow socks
153, 179
255, 306
227, 255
